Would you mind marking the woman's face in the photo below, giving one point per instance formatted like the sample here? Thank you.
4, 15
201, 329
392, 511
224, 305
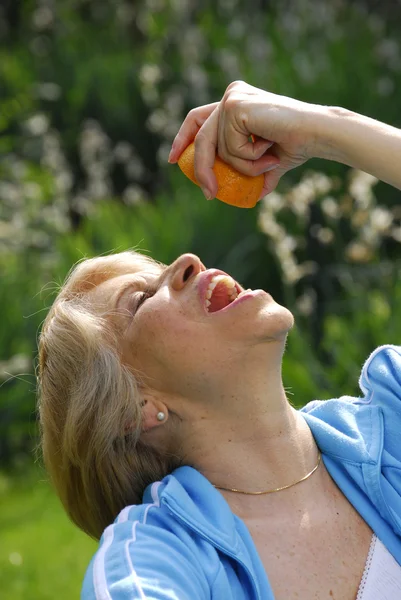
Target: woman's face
182, 330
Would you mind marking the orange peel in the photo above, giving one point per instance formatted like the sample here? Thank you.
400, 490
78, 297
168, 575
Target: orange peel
234, 188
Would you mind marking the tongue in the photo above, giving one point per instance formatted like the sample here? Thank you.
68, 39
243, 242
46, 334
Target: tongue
219, 298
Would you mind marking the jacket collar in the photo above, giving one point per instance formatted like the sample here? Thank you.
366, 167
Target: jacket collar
196, 501
346, 429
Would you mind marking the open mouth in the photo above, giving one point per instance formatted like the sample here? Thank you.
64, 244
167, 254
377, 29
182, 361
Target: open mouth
221, 291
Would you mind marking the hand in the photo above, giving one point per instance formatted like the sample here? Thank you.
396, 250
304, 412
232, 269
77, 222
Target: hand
283, 130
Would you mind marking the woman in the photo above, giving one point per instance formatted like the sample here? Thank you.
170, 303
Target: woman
169, 379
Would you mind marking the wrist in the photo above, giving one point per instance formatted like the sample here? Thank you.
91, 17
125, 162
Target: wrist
333, 123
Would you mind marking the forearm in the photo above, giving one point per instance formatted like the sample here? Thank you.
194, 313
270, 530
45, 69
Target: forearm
360, 142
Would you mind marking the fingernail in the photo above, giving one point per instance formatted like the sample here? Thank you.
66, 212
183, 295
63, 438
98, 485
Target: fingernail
170, 155
272, 167
207, 193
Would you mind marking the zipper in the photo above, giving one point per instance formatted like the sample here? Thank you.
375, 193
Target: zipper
366, 570
216, 545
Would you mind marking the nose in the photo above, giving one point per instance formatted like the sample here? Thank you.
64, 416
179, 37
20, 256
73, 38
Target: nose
186, 266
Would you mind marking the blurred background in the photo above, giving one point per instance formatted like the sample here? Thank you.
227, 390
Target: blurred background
92, 93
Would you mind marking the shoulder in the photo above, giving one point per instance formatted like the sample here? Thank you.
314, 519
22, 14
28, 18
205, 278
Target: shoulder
382, 373
145, 551
360, 437
380, 384
170, 546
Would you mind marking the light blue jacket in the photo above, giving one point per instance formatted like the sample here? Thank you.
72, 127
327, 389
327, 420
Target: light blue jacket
184, 542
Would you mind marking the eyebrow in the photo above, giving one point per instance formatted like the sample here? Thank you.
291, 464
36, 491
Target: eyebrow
132, 284
122, 291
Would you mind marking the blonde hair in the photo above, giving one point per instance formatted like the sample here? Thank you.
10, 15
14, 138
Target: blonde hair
87, 396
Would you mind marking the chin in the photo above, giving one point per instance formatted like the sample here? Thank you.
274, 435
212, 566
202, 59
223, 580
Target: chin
275, 325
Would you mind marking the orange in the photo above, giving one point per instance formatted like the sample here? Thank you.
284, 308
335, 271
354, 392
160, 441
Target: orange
233, 187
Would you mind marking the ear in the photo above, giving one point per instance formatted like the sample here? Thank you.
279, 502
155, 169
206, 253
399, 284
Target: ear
154, 414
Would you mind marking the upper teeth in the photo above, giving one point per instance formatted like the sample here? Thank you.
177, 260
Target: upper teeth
228, 282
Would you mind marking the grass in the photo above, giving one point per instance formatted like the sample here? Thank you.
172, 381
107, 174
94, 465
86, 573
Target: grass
42, 554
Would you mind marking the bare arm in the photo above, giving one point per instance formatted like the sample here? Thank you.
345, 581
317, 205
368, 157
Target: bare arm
362, 143
288, 132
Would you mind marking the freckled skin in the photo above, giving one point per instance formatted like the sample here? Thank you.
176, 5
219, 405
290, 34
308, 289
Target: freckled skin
166, 339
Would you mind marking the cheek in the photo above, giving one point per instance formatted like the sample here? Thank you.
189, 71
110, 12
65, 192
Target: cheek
173, 352
171, 338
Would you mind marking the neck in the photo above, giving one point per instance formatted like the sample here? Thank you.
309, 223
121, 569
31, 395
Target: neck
250, 438
261, 453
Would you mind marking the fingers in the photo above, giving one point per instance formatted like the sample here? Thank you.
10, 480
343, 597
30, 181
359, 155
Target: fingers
238, 142
252, 158
236, 148
252, 150
271, 181
265, 163
205, 154
189, 129
217, 127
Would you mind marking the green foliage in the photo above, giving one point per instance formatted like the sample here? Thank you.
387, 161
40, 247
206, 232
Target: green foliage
42, 555
91, 95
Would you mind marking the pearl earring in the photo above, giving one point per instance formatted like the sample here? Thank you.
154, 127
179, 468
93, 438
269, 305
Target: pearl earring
161, 416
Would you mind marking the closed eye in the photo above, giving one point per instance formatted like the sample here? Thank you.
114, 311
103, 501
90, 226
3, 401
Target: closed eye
140, 298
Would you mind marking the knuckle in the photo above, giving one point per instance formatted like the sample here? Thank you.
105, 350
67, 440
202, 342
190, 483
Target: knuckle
199, 173
232, 92
231, 102
200, 139
196, 115
235, 84
234, 107
192, 115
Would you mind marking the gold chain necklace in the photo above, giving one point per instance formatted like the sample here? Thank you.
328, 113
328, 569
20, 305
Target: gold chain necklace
285, 487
